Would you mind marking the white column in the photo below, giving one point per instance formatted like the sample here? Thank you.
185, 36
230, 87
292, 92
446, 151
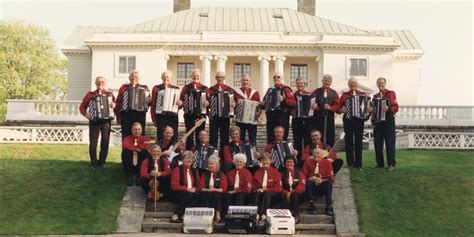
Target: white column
206, 69
319, 61
279, 64
220, 62
166, 58
264, 74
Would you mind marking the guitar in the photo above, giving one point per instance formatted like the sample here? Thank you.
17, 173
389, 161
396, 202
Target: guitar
172, 149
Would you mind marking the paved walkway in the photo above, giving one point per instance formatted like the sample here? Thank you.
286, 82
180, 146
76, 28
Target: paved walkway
131, 213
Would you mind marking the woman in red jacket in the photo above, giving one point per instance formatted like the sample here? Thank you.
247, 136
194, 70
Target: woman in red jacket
157, 165
212, 185
294, 184
240, 181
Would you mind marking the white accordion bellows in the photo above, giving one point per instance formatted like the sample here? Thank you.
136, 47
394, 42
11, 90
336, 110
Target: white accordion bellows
166, 101
280, 222
198, 220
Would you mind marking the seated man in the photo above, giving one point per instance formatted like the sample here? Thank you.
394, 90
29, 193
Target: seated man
212, 185
240, 182
316, 143
319, 179
279, 134
134, 151
233, 148
202, 151
184, 182
294, 183
157, 165
168, 142
266, 187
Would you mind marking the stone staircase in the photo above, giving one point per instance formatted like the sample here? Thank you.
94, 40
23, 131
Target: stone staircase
310, 224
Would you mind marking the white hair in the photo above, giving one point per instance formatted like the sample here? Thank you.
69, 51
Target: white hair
352, 79
239, 156
213, 158
167, 72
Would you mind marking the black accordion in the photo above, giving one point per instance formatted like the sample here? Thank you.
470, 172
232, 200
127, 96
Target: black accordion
324, 98
279, 152
201, 155
249, 151
99, 107
166, 101
303, 106
220, 104
134, 98
194, 102
379, 115
357, 107
241, 219
272, 99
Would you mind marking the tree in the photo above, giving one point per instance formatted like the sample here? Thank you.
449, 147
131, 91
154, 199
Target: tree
30, 66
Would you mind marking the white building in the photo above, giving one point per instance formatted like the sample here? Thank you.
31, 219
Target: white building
256, 41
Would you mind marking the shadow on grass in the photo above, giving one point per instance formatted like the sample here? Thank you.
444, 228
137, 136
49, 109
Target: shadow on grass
59, 197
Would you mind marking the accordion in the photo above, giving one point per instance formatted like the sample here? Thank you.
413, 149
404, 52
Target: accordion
303, 106
134, 98
166, 101
378, 114
357, 107
249, 150
220, 104
241, 219
247, 111
198, 220
194, 102
279, 152
272, 99
99, 107
280, 222
201, 156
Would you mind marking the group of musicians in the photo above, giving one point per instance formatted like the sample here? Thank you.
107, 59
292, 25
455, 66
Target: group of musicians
223, 168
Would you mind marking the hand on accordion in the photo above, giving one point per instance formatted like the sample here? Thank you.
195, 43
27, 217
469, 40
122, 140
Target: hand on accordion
385, 108
179, 103
232, 104
343, 109
148, 99
295, 152
112, 105
205, 103
88, 116
314, 106
280, 98
370, 109
327, 107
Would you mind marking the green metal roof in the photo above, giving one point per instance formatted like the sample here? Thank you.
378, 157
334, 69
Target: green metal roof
82, 33
403, 37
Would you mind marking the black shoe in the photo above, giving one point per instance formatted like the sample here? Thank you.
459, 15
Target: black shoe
93, 167
378, 166
102, 166
328, 210
297, 219
130, 181
312, 208
359, 169
137, 180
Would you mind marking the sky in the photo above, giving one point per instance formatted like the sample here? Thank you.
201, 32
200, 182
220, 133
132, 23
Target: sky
443, 28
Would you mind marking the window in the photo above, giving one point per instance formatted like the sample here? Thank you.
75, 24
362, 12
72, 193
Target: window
184, 73
298, 70
358, 67
126, 64
240, 69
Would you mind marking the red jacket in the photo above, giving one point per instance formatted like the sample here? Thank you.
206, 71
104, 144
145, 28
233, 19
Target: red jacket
163, 167
247, 92
391, 96
269, 147
186, 89
289, 100
154, 95
300, 182
129, 143
348, 94
273, 180
294, 111
325, 169
309, 148
176, 183
119, 102
213, 89
229, 151
223, 181
319, 93
245, 180
88, 97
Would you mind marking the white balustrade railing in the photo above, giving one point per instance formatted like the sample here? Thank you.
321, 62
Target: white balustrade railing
435, 115
44, 110
440, 140
48, 135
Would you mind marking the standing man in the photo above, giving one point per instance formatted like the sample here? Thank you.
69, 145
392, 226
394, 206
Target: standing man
327, 103
161, 121
125, 115
219, 126
96, 125
385, 130
300, 125
280, 114
247, 93
353, 127
189, 117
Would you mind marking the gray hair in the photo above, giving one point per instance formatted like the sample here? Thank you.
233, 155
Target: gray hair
327, 76
133, 71
352, 79
213, 158
167, 72
99, 78
239, 156
195, 71
186, 154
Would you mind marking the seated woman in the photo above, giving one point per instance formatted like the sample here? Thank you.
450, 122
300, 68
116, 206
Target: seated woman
240, 182
184, 182
157, 165
212, 185
134, 151
294, 183
266, 186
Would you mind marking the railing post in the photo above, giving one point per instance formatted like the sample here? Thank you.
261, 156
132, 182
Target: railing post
411, 140
34, 134
85, 135
462, 141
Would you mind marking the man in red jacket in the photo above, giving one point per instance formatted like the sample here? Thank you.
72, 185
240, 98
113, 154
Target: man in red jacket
316, 143
134, 151
247, 93
156, 165
294, 184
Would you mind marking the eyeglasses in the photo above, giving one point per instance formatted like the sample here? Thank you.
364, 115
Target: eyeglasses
220, 77
276, 76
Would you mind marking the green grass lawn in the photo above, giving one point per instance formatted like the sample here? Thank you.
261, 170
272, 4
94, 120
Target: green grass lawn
430, 194
51, 189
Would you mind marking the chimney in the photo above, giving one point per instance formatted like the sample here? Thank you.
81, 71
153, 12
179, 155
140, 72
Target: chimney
307, 7
181, 5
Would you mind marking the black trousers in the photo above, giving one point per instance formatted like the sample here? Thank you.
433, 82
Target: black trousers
337, 165
323, 189
127, 162
252, 131
301, 135
354, 129
265, 200
237, 199
212, 200
162, 121
277, 118
294, 204
184, 200
385, 131
130, 117
164, 185
219, 129
318, 122
95, 128
189, 121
